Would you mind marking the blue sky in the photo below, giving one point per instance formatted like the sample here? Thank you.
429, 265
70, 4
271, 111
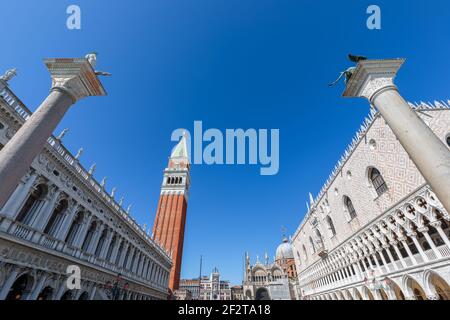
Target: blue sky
231, 64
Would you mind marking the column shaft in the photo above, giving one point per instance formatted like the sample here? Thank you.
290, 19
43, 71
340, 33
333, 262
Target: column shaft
18, 154
426, 150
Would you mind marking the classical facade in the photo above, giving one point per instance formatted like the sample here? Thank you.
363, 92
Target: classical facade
214, 288
58, 216
209, 288
270, 280
170, 219
377, 230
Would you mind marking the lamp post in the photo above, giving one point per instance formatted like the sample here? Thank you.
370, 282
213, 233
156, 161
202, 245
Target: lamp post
117, 289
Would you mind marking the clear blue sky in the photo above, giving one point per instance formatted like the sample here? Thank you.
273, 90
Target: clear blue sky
231, 64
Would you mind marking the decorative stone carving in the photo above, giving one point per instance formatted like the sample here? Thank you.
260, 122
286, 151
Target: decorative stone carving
74, 76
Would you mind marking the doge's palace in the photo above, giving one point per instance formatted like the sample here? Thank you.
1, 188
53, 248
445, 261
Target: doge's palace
377, 230
58, 216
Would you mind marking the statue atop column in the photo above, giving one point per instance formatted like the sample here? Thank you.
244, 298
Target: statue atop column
349, 72
9, 74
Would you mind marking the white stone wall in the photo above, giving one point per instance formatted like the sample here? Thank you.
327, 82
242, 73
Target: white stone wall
376, 147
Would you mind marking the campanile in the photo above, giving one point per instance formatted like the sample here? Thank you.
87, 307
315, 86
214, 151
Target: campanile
170, 220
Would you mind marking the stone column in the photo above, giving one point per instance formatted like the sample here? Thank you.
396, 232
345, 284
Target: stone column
19, 195
72, 79
391, 258
107, 244
38, 287
67, 220
424, 231
408, 250
41, 219
437, 226
9, 282
373, 79
399, 254
413, 236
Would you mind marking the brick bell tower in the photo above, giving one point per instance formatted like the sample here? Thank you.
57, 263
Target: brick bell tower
170, 220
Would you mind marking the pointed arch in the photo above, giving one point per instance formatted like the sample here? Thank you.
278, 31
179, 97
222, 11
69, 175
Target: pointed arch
377, 181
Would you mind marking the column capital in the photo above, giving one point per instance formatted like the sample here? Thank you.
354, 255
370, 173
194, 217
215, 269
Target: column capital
75, 76
371, 76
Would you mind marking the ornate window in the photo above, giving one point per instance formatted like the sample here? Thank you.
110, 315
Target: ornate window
349, 207
56, 218
330, 225
377, 181
33, 204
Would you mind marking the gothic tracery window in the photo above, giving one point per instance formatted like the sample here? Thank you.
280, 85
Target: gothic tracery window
331, 226
377, 181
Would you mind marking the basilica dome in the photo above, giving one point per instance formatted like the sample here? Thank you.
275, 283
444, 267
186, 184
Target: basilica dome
284, 250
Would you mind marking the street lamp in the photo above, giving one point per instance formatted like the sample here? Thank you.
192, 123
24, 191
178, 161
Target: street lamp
114, 291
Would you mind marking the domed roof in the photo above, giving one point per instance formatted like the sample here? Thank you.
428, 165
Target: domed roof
284, 250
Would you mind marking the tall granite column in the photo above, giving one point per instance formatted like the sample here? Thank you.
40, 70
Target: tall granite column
72, 80
373, 80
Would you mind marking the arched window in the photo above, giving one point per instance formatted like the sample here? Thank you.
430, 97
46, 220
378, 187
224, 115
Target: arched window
305, 253
33, 204
318, 237
298, 257
119, 253
89, 236
377, 181
313, 247
447, 139
125, 261
56, 218
133, 259
349, 207
101, 242
110, 249
74, 228
330, 225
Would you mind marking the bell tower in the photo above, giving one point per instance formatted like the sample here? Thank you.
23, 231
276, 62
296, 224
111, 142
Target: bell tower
170, 220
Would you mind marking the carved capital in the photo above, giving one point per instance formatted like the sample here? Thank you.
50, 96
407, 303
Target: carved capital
76, 77
371, 76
